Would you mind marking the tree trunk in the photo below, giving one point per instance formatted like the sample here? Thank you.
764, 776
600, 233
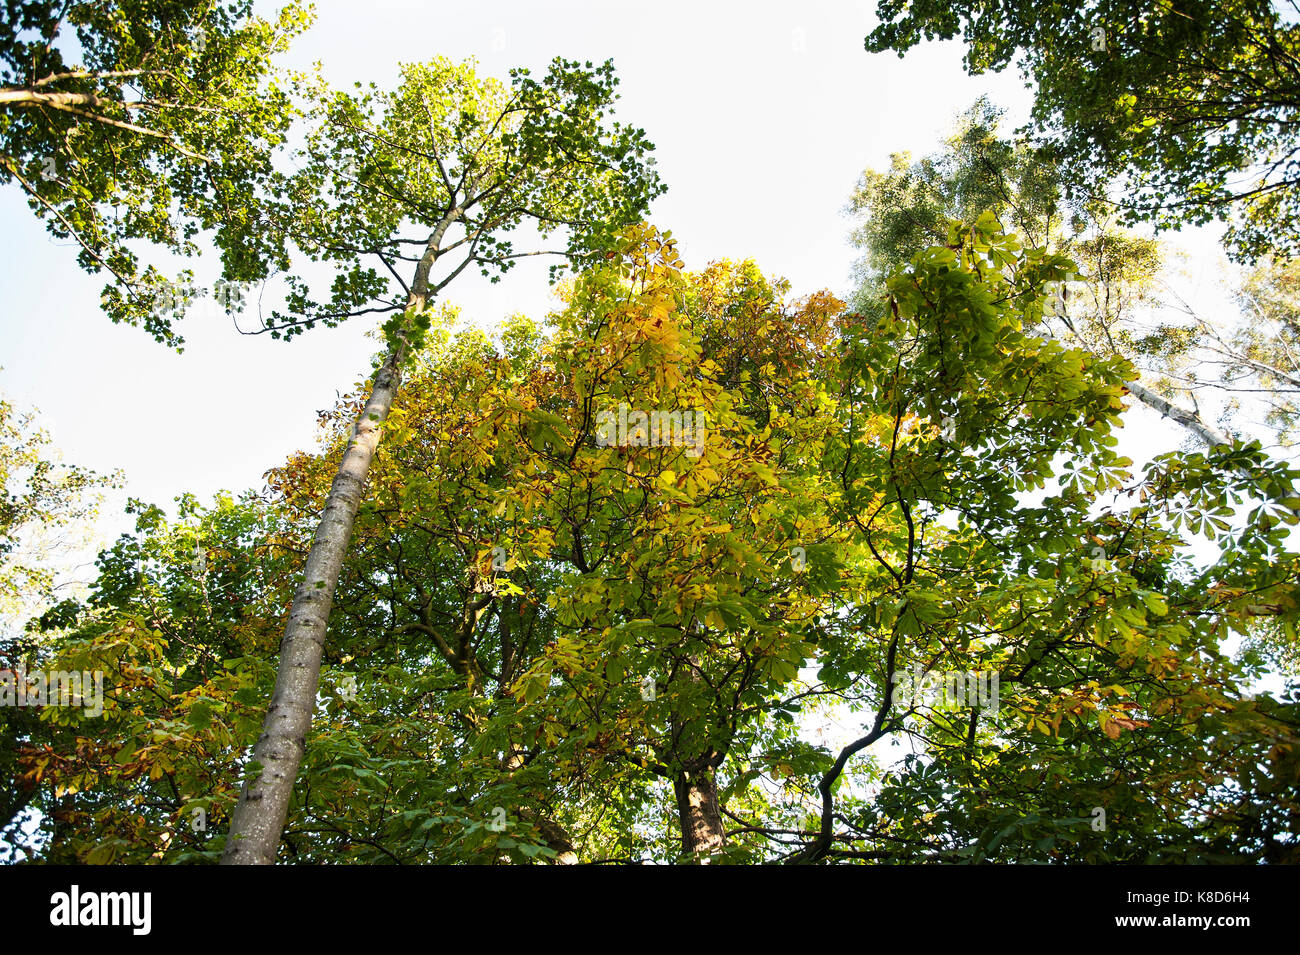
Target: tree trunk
1188, 419
260, 813
698, 811
263, 805
1191, 420
554, 835
33, 98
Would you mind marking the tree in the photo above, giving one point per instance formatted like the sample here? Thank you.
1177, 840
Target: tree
46, 509
1189, 104
1252, 356
558, 638
1263, 351
1100, 309
1064, 572
459, 163
38, 495
164, 127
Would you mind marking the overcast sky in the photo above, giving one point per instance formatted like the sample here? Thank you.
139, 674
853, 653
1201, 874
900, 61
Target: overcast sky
763, 116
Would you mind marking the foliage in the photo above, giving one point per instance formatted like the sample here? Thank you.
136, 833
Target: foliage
1120, 302
1189, 103
1266, 348
46, 509
39, 496
551, 628
143, 120
182, 623
449, 165
978, 170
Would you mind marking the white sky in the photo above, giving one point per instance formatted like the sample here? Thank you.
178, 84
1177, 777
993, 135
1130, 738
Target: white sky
764, 115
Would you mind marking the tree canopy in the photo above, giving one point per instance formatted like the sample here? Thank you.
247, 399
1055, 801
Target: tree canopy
1123, 300
688, 570
1190, 105
143, 122
557, 639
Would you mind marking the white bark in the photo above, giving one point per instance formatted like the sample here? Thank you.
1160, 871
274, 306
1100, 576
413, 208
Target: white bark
1188, 419
263, 806
260, 813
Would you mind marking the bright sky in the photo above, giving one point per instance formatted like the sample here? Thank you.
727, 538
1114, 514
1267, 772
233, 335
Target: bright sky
763, 115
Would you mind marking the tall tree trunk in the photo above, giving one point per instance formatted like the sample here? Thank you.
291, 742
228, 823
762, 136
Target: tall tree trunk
260, 813
698, 811
1190, 420
259, 816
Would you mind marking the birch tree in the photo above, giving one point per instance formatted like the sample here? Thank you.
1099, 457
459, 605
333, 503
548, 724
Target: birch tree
1248, 356
910, 205
434, 178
